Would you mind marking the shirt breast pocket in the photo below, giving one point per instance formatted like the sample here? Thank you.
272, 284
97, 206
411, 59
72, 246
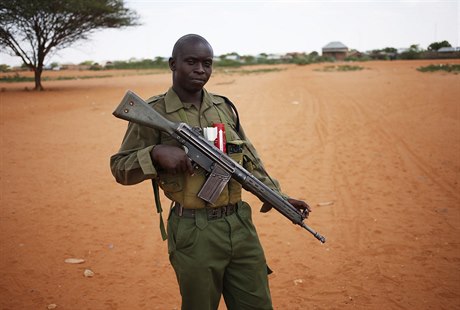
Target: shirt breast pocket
171, 183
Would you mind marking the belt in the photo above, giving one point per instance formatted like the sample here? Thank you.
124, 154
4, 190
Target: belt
212, 213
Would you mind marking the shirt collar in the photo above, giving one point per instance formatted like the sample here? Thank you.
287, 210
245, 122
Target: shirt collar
173, 103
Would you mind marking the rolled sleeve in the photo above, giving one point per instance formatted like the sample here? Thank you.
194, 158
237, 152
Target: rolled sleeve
145, 162
133, 164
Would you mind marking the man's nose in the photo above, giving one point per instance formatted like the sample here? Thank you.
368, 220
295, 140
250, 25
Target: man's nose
199, 68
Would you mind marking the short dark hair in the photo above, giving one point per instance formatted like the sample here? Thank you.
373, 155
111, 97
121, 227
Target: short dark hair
187, 39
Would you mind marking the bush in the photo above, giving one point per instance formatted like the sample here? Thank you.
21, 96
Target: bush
95, 67
86, 63
356, 58
325, 59
301, 61
15, 78
4, 68
333, 68
227, 63
313, 57
140, 64
441, 67
410, 55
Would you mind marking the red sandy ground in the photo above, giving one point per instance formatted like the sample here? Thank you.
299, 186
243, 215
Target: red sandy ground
382, 144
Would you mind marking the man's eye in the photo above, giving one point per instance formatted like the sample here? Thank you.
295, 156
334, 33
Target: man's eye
191, 62
208, 63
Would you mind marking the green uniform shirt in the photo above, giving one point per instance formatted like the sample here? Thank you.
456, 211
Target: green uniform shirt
133, 163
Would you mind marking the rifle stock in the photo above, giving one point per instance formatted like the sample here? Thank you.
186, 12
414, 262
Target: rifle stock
134, 109
220, 166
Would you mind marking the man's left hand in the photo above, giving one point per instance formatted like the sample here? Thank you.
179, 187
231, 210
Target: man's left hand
298, 204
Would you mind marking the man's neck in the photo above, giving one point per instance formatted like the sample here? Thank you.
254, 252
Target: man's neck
193, 98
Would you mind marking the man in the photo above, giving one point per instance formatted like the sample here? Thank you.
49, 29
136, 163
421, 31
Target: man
214, 249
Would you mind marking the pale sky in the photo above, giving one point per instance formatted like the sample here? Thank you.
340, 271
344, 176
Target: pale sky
253, 27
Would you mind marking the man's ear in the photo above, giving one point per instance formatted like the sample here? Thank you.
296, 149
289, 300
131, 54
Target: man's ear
172, 64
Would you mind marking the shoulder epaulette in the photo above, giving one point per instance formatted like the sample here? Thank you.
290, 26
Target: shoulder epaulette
156, 98
217, 98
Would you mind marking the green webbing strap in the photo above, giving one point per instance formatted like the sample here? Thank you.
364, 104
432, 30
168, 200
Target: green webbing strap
235, 113
156, 190
156, 193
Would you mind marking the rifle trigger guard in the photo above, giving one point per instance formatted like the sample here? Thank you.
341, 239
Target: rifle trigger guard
304, 214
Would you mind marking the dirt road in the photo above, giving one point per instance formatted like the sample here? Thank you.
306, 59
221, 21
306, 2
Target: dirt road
375, 152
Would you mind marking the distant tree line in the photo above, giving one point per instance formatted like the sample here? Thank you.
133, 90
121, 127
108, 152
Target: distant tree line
235, 60
413, 52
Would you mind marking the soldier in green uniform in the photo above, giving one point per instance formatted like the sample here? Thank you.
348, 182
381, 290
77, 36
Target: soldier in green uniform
214, 249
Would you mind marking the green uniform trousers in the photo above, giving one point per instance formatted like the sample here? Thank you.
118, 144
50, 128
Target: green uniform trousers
219, 257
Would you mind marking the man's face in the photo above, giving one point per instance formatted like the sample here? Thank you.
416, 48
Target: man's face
192, 66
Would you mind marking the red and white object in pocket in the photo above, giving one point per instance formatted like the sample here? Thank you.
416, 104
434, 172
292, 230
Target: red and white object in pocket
220, 141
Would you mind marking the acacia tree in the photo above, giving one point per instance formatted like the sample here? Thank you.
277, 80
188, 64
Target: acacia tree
33, 29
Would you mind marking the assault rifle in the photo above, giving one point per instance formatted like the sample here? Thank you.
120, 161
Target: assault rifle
219, 166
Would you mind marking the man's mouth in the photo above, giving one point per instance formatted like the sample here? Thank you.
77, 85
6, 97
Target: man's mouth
198, 80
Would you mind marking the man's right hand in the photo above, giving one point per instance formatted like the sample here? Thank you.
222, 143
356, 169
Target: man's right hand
172, 159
